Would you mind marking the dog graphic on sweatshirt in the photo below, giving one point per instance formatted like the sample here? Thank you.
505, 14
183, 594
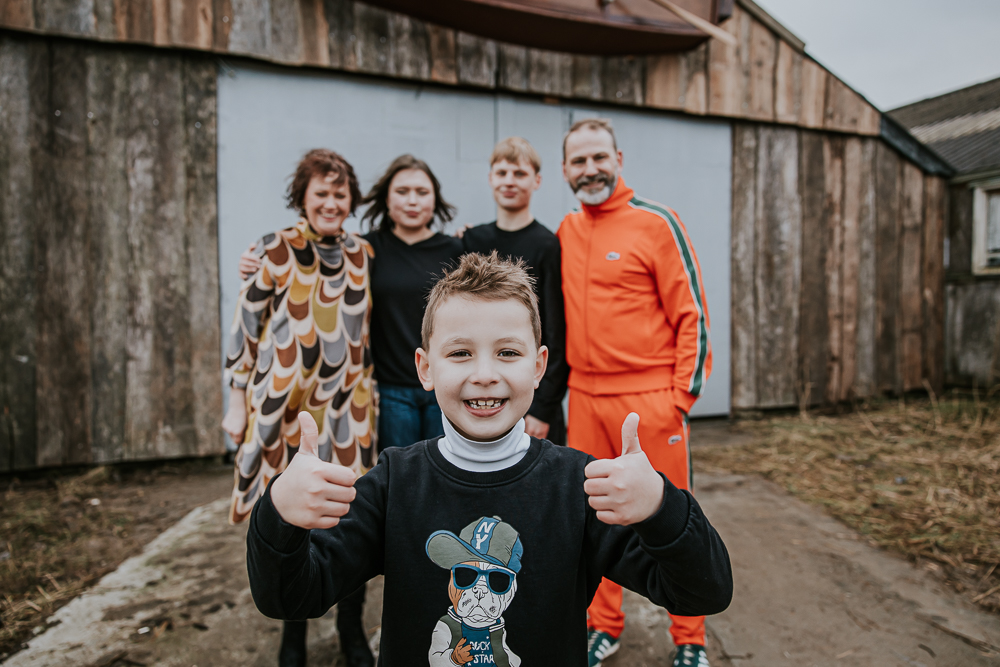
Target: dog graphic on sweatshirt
484, 561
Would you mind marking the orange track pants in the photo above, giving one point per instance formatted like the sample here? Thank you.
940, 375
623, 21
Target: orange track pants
595, 427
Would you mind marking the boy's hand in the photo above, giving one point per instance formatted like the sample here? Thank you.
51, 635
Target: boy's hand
624, 490
312, 493
249, 263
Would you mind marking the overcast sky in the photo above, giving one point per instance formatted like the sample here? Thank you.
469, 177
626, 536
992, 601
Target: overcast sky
898, 51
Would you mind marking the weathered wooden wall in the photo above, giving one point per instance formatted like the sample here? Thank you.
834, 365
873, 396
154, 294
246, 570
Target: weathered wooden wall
764, 78
109, 331
837, 275
972, 329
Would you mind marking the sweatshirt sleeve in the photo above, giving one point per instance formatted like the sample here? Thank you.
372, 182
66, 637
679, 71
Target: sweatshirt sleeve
676, 559
552, 388
297, 574
682, 293
252, 308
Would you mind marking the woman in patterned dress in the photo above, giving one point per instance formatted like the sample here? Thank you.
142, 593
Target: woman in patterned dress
300, 341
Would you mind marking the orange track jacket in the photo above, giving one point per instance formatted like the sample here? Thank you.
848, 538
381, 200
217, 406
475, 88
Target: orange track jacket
636, 317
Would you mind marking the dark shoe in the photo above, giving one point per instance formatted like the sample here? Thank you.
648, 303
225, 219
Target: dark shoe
690, 655
293, 644
353, 638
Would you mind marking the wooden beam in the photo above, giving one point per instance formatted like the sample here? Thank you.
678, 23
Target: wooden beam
814, 323
744, 267
934, 312
911, 284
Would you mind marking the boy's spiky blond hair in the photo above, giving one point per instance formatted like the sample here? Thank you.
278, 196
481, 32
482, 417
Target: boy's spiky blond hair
515, 149
486, 277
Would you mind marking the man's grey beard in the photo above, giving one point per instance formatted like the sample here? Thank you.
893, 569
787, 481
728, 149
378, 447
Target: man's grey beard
595, 198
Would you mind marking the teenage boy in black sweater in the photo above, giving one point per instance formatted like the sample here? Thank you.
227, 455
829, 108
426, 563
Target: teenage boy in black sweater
515, 175
492, 543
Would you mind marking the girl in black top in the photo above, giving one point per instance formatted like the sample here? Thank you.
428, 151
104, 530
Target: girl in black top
409, 258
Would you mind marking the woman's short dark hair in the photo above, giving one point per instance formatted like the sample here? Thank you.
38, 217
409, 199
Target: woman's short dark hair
377, 215
321, 162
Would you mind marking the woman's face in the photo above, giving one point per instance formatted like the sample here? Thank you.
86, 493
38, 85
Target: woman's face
327, 205
411, 199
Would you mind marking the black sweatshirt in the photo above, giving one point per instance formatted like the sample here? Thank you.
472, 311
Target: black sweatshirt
539, 248
416, 515
401, 279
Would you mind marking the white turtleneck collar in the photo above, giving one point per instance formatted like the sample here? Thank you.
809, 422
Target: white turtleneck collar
484, 456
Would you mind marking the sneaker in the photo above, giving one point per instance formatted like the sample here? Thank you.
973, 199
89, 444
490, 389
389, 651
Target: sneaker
690, 655
599, 646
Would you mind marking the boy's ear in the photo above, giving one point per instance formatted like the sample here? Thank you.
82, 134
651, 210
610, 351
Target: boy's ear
541, 363
423, 362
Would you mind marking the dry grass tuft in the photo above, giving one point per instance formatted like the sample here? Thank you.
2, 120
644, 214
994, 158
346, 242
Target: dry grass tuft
920, 477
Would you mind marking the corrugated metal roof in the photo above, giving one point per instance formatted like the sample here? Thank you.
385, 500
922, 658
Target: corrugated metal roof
962, 126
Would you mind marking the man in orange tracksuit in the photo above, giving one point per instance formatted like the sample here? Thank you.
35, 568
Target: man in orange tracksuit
637, 340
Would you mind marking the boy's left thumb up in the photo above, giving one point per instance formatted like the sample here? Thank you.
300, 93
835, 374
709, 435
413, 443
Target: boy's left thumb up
308, 442
630, 435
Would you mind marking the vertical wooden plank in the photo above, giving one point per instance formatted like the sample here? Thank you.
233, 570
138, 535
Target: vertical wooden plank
787, 84
372, 47
833, 160
105, 17
17, 14
911, 285
813, 100
622, 79
67, 17
287, 33
134, 20
249, 27
444, 64
865, 365
851, 259
315, 34
729, 68
512, 69
666, 81
887, 195
959, 233
18, 436
477, 60
222, 13
108, 113
550, 73
587, 77
191, 23
160, 396
695, 98
202, 238
763, 54
64, 278
161, 22
870, 121
843, 107
411, 50
935, 204
743, 271
814, 325
778, 264
342, 39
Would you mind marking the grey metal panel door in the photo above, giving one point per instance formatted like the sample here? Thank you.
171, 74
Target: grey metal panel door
269, 117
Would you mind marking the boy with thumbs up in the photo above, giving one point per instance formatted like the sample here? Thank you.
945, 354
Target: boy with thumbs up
492, 543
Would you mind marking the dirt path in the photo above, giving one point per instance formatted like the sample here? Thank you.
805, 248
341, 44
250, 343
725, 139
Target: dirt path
808, 592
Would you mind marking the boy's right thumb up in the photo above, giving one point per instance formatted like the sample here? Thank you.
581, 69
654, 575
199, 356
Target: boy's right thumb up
308, 442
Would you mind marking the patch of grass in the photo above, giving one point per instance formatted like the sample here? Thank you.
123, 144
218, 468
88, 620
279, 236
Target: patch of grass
919, 477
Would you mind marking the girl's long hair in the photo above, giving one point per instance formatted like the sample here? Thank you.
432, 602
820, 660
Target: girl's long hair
377, 215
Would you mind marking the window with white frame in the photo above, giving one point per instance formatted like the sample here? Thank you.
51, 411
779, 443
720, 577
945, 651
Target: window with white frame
986, 228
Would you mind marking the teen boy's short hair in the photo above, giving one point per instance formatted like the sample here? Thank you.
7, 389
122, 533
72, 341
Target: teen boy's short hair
515, 149
486, 277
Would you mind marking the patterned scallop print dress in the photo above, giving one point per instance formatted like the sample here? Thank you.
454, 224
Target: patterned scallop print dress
300, 341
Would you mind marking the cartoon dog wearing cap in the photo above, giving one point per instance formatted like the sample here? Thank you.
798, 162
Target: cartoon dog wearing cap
484, 561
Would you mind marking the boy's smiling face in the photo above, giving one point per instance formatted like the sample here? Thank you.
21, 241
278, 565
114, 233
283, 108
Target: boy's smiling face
483, 364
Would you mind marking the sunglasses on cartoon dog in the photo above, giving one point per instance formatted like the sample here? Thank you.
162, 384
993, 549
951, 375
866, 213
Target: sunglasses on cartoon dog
466, 576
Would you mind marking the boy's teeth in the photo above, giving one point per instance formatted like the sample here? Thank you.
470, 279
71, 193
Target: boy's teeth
486, 404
